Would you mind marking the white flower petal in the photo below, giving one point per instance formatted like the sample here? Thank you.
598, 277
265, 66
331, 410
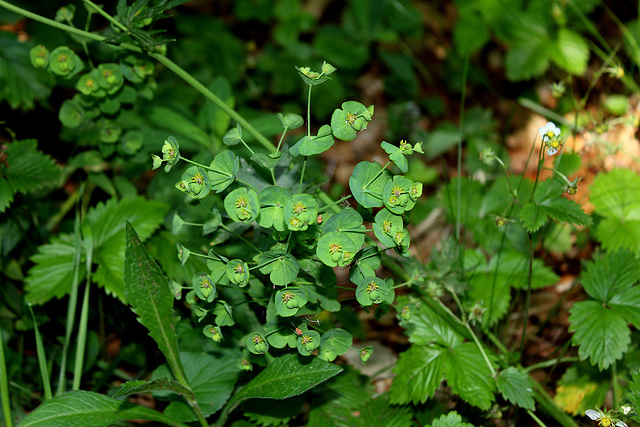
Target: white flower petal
552, 152
594, 415
621, 424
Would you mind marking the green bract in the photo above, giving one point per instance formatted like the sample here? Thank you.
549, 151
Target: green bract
365, 354
272, 202
336, 249
110, 77
238, 272
71, 114
367, 261
39, 56
176, 224
242, 205
372, 290
196, 182
300, 211
213, 223
281, 267
65, 13
290, 120
222, 170
64, 62
289, 300
353, 117
406, 313
314, 78
183, 253
212, 332
233, 135
386, 226
335, 342
367, 182
131, 142
310, 145
204, 287
223, 313
349, 222
256, 344
307, 342
170, 154
400, 194
109, 131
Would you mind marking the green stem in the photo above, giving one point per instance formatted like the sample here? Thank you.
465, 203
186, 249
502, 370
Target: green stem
309, 112
528, 297
459, 160
615, 384
280, 142
228, 230
247, 147
81, 343
551, 362
42, 358
4, 385
536, 419
376, 176
330, 203
304, 168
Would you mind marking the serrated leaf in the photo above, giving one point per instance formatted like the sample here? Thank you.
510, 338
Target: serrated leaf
452, 419
419, 372
533, 216
284, 377
601, 333
52, 274
150, 297
427, 327
614, 196
379, 412
212, 380
516, 387
610, 274
107, 223
528, 58
140, 386
87, 409
469, 376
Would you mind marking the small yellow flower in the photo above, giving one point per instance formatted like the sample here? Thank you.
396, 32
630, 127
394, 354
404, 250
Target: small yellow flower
350, 118
334, 247
198, 178
386, 226
373, 286
397, 191
241, 202
298, 208
239, 269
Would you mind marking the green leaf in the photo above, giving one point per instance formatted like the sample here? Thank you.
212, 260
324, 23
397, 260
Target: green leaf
367, 183
533, 216
150, 297
610, 275
396, 156
211, 116
310, 145
470, 33
372, 290
286, 376
290, 300
548, 202
86, 409
139, 386
419, 372
107, 224
452, 419
333, 248
379, 412
223, 170
571, 52
529, 58
349, 222
367, 261
428, 327
300, 211
516, 387
469, 376
614, 196
272, 202
281, 267
20, 83
25, 169
601, 333
242, 205
71, 114
177, 123
337, 341
346, 122
212, 380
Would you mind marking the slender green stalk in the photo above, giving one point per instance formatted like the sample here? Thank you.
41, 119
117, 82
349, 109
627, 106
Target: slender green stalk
247, 147
330, 203
228, 230
535, 418
42, 358
73, 300
463, 95
4, 385
551, 362
81, 342
615, 384
304, 168
528, 297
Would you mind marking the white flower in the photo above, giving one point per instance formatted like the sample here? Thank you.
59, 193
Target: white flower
548, 131
625, 409
604, 419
